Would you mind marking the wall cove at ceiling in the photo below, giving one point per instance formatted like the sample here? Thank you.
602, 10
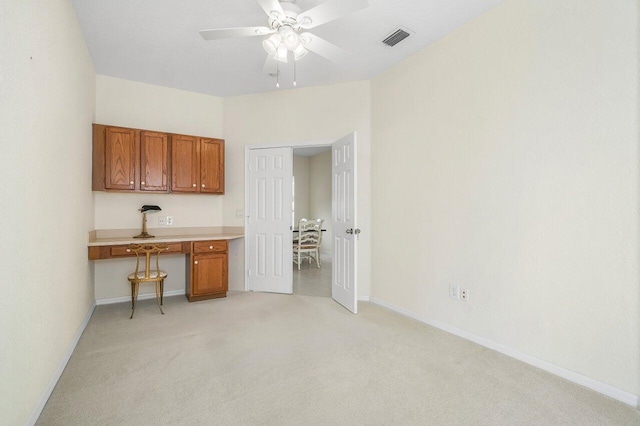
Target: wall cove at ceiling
515, 160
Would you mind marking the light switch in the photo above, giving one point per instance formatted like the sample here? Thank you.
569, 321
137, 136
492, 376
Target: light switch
239, 213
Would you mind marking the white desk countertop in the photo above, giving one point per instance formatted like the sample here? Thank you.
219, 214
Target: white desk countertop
113, 237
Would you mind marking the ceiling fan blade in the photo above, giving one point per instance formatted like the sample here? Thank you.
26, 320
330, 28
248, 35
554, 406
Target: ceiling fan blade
330, 10
270, 65
323, 48
271, 6
234, 32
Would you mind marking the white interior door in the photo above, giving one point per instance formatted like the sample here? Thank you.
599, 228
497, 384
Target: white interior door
345, 233
269, 236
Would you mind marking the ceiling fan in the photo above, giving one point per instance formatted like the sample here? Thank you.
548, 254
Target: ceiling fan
285, 34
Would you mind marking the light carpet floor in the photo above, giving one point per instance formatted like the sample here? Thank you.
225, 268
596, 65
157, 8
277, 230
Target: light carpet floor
267, 359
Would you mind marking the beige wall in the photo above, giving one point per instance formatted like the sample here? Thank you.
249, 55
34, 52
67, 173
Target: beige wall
319, 114
132, 104
47, 92
320, 195
301, 195
505, 160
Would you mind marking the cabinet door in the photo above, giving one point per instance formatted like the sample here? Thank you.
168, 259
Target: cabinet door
209, 274
154, 148
184, 164
211, 166
120, 158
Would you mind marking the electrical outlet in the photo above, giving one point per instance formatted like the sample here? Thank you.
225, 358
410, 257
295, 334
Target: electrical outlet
454, 291
162, 221
169, 220
464, 294
239, 213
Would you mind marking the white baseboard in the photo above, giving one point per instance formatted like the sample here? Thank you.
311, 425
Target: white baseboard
144, 296
603, 388
363, 298
35, 414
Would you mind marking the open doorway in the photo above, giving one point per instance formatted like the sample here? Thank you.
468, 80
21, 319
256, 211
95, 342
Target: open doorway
269, 219
312, 201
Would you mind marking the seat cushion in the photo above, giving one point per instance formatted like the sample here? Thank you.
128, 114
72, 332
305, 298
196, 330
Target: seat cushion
152, 275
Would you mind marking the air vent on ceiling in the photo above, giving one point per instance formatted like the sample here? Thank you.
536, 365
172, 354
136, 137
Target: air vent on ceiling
396, 36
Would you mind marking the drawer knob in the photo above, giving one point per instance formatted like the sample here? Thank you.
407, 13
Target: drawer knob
194, 185
196, 262
128, 250
210, 247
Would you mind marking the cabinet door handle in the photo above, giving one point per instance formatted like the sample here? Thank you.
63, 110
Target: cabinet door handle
141, 183
196, 262
130, 182
194, 185
203, 185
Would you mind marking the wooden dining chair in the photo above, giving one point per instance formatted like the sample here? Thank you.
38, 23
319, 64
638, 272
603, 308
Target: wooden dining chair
309, 241
147, 275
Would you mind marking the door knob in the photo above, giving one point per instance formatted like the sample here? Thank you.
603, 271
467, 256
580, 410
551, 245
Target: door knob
349, 231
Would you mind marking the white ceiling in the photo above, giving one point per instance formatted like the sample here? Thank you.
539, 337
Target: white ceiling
157, 41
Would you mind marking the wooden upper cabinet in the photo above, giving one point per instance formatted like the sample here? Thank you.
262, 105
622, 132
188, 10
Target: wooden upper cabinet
154, 162
212, 166
136, 160
197, 164
184, 163
120, 158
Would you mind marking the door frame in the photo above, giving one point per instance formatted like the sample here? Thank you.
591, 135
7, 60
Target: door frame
293, 145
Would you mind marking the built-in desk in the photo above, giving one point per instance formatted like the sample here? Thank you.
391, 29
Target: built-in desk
206, 251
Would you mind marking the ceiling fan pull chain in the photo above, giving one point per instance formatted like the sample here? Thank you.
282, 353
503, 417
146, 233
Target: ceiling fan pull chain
277, 75
295, 82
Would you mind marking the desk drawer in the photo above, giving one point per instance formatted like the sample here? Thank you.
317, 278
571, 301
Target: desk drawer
118, 251
209, 247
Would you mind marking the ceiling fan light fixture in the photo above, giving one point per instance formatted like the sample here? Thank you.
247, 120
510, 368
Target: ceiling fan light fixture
305, 38
290, 37
271, 44
292, 41
299, 53
282, 53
